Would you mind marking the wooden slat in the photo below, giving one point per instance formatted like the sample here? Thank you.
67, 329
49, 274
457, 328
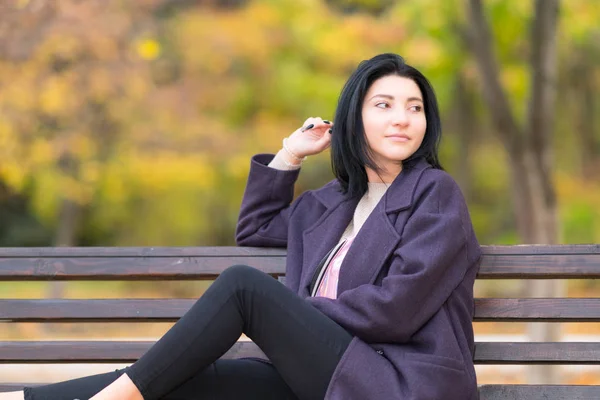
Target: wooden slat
123, 268
170, 310
498, 262
116, 252
486, 392
535, 392
538, 310
195, 268
540, 266
95, 351
537, 353
135, 310
235, 251
122, 351
531, 249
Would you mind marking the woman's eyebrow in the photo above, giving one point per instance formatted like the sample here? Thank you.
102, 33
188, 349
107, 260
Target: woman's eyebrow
388, 96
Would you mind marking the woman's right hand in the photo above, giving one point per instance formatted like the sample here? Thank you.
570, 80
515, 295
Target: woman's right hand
307, 142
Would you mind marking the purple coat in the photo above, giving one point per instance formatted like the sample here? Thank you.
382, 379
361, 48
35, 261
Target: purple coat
405, 289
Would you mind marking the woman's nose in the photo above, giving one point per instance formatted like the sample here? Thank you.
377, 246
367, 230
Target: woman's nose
399, 117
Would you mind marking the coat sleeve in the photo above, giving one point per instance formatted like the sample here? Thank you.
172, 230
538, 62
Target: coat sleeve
430, 261
266, 205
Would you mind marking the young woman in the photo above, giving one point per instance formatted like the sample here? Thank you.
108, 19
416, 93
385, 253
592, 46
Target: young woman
381, 261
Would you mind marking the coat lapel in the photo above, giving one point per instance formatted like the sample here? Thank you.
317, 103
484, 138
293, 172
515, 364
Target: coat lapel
381, 232
323, 236
359, 266
378, 234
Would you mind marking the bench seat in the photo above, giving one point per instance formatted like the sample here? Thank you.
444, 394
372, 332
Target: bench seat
206, 263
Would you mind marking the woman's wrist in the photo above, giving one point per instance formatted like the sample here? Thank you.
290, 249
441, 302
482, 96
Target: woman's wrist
288, 159
292, 154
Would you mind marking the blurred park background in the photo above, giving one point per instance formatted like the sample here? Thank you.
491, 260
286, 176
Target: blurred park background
131, 123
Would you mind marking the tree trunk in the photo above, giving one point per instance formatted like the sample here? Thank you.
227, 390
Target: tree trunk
529, 149
590, 143
465, 126
540, 126
68, 222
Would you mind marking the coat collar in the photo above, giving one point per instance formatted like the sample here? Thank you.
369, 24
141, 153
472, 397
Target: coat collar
377, 233
399, 196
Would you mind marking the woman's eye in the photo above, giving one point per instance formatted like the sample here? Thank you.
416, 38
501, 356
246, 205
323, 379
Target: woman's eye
416, 108
381, 105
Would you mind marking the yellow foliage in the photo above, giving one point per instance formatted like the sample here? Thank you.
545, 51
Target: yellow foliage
56, 96
8, 139
41, 152
238, 166
90, 173
515, 78
148, 49
161, 171
18, 87
579, 19
237, 81
74, 190
113, 186
424, 51
13, 174
82, 146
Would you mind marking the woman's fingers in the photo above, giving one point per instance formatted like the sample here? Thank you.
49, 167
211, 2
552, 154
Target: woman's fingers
315, 124
313, 137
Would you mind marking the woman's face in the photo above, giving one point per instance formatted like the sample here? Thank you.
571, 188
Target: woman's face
394, 120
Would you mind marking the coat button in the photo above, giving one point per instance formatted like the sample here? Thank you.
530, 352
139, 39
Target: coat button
380, 352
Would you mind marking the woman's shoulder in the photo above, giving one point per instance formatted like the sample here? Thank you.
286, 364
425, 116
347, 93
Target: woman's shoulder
328, 194
438, 178
439, 186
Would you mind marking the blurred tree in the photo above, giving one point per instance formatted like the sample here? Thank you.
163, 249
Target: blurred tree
372, 7
582, 78
137, 113
529, 147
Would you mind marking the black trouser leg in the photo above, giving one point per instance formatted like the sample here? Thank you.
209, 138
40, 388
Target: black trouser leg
81, 388
223, 380
304, 345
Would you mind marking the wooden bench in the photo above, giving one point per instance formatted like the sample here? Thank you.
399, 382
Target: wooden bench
205, 263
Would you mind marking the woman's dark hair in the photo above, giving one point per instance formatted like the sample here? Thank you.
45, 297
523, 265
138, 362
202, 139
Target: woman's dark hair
350, 152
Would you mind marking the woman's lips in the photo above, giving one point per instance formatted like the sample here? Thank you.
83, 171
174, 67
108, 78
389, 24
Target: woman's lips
398, 138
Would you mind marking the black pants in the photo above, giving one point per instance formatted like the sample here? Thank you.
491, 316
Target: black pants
303, 345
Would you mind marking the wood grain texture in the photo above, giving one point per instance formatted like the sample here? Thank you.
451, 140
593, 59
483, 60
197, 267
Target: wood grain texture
127, 351
234, 251
125, 310
536, 392
128, 269
203, 251
537, 310
95, 351
170, 310
540, 266
486, 392
537, 353
204, 263
187, 263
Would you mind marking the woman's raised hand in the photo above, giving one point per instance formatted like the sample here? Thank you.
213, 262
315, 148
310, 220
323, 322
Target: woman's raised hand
312, 138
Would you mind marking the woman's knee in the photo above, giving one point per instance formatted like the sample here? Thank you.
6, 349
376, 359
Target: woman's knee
243, 273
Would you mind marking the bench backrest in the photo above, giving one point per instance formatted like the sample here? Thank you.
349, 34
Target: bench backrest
205, 263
